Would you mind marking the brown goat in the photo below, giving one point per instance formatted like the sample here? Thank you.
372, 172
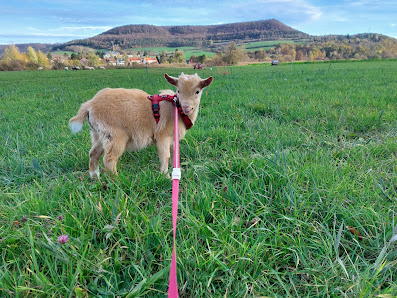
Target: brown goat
122, 119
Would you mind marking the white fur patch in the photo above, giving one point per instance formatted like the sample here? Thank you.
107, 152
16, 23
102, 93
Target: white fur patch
95, 174
75, 126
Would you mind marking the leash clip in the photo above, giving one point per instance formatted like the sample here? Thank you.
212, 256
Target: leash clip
176, 173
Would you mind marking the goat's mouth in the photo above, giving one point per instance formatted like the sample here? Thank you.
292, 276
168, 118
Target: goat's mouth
187, 111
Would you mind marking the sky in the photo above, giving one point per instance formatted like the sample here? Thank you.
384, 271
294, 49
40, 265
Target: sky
52, 21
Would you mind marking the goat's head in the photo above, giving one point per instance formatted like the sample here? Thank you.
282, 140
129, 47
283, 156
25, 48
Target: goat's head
189, 90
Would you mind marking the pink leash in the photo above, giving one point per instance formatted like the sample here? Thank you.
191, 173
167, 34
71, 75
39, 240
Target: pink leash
176, 176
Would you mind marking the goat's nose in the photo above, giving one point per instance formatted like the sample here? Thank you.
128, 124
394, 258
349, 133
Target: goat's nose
185, 107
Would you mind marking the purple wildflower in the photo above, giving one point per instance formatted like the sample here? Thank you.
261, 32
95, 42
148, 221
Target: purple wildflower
60, 217
63, 239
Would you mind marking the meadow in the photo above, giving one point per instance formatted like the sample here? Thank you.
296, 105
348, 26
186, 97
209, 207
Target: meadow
289, 187
188, 51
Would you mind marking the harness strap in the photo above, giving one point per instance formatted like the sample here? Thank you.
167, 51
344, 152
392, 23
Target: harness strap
186, 120
155, 99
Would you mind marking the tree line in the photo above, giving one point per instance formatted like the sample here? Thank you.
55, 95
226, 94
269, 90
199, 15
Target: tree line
13, 59
369, 47
364, 46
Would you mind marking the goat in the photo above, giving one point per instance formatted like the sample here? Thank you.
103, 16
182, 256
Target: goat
122, 119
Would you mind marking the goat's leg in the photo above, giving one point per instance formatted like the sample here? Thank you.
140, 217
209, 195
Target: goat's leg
114, 146
95, 154
171, 154
163, 149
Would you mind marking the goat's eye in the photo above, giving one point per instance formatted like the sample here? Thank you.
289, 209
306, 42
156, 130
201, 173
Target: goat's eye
177, 91
198, 91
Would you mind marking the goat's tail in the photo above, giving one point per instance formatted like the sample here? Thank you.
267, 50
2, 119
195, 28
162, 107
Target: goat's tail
76, 122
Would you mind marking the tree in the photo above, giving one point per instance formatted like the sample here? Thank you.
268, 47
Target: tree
12, 53
299, 55
179, 56
100, 54
193, 59
260, 54
201, 58
163, 57
233, 54
32, 55
92, 60
42, 59
218, 59
75, 56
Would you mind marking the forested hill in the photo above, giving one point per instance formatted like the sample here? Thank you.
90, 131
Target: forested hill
149, 35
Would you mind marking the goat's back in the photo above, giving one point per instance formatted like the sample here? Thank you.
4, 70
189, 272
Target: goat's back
125, 112
121, 106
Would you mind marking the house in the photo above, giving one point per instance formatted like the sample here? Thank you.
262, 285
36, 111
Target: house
84, 61
134, 60
148, 60
110, 60
109, 54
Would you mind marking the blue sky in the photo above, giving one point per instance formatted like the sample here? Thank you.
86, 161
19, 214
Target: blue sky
50, 21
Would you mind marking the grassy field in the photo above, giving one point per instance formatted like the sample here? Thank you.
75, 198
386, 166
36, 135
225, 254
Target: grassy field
62, 53
256, 45
188, 51
289, 188
249, 46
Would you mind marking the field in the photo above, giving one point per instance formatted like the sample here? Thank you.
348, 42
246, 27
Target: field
62, 53
189, 51
249, 46
289, 188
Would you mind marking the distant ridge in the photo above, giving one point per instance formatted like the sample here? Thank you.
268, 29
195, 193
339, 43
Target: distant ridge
215, 37
131, 36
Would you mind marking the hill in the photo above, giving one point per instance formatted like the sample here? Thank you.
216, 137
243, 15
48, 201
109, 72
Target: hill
132, 36
278, 40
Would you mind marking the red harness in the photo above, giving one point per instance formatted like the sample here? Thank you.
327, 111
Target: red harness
155, 99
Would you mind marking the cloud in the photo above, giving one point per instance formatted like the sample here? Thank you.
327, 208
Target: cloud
68, 31
85, 28
80, 19
206, 12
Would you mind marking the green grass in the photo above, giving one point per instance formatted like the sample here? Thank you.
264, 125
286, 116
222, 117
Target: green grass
265, 44
189, 51
281, 161
255, 45
62, 53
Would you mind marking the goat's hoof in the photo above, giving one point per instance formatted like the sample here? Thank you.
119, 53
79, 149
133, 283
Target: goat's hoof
95, 175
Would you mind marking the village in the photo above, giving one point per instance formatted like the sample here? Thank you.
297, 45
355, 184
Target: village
102, 59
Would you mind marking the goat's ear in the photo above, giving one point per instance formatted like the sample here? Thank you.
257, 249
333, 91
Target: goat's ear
171, 80
206, 82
